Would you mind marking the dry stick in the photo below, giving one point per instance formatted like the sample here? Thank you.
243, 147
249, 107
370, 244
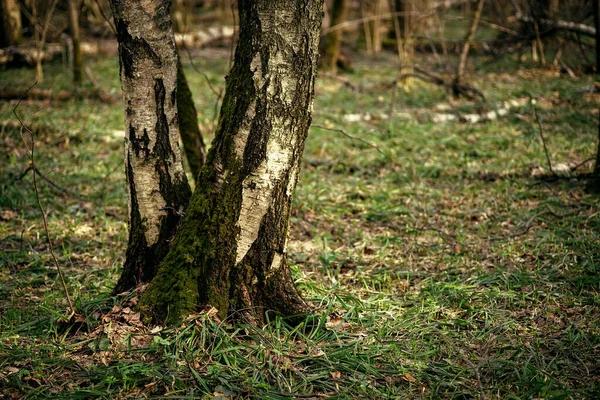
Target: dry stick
539, 124
576, 167
108, 20
41, 40
37, 196
44, 177
465, 51
219, 93
358, 139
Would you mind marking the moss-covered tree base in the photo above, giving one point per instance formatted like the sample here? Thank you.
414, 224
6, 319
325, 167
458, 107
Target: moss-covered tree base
230, 249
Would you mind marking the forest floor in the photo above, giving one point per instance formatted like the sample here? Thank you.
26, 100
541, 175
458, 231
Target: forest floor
444, 258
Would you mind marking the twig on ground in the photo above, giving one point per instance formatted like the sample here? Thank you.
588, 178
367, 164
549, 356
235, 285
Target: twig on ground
361, 140
539, 124
457, 88
341, 79
524, 230
37, 196
582, 163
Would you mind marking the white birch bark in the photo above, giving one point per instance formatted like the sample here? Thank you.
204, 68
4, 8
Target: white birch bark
157, 187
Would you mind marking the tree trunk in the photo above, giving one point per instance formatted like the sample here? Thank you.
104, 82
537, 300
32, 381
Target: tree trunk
332, 41
74, 6
230, 251
10, 23
157, 187
193, 145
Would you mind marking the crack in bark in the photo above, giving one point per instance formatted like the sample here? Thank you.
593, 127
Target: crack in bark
162, 148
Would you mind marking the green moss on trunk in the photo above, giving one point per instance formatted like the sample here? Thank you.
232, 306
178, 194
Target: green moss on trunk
229, 251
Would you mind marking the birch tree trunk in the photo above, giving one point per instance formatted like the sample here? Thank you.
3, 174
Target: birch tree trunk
230, 251
156, 183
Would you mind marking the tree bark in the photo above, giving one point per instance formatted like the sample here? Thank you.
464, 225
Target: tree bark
157, 187
10, 23
230, 251
333, 40
193, 144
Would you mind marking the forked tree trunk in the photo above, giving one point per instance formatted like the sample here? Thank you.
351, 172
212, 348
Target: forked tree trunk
10, 23
193, 144
468, 39
230, 250
157, 187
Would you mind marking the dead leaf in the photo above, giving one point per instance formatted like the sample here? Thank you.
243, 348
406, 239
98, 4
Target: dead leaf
12, 370
409, 377
7, 215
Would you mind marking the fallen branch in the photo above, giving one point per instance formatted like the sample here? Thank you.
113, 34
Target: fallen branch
345, 81
456, 88
561, 25
60, 95
358, 139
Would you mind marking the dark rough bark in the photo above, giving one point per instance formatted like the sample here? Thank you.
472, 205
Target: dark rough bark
333, 40
10, 23
230, 251
193, 145
157, 186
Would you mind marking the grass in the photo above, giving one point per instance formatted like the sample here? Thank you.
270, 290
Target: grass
440, 259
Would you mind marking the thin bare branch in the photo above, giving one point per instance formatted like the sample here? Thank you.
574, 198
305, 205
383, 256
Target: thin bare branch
31, 151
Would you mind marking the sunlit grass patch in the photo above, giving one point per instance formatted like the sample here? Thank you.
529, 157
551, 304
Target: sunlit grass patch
443, 260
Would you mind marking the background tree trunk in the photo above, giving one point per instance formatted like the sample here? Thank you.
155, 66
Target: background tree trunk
193, 145
230, 251
74, 6
468, 39
10, 27
332, 41
157, 186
